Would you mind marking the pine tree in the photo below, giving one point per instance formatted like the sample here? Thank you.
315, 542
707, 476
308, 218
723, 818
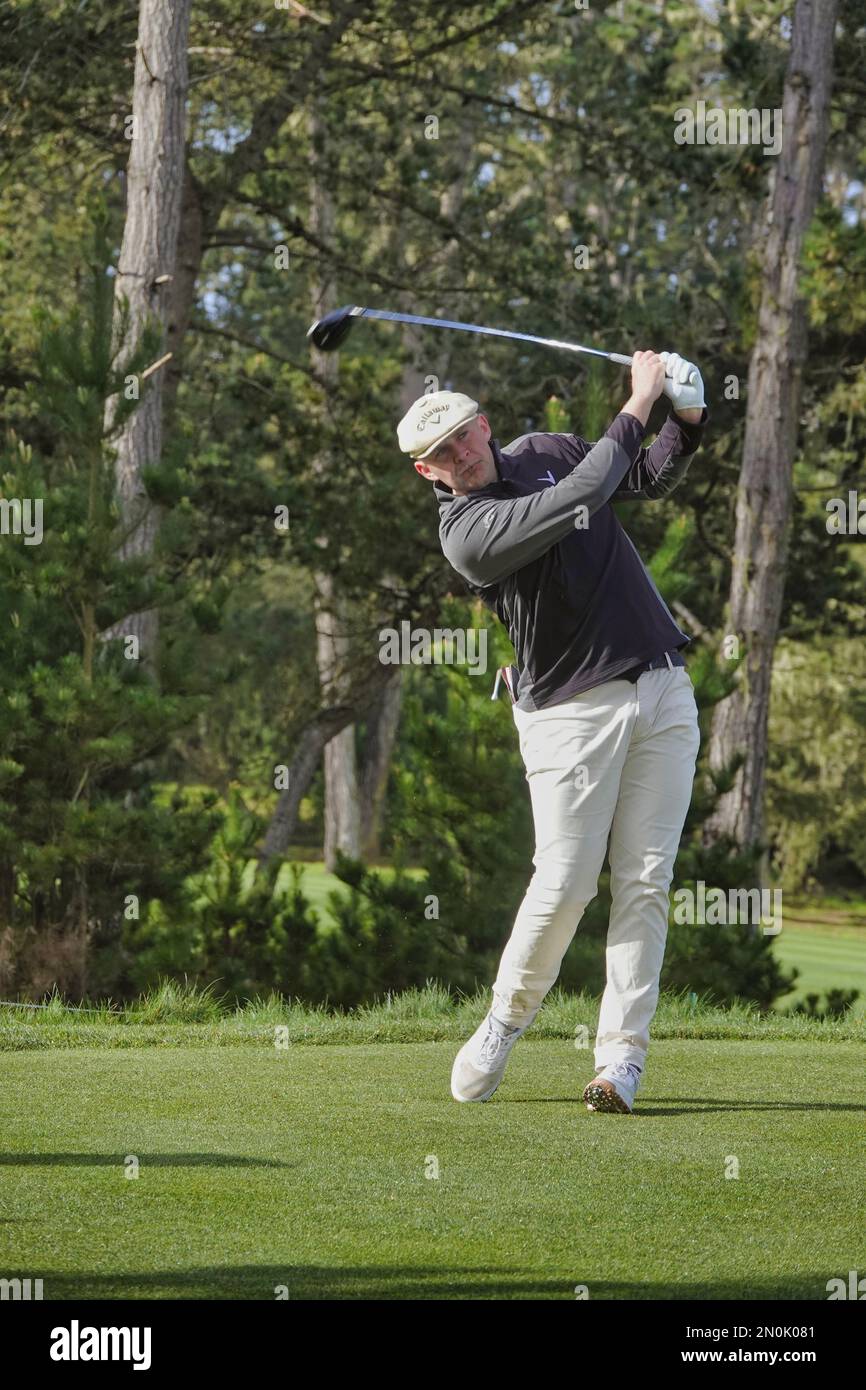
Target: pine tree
86, 841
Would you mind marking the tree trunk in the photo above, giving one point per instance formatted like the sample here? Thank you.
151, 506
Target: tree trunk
281, 830
342, 809
202, 206
324, 726
381, 735
774, 392
155, 176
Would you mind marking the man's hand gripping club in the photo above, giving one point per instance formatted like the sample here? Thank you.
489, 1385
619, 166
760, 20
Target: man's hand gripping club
654, 374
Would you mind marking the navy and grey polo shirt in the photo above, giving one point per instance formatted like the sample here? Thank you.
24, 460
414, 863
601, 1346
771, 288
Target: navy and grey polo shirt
543, 548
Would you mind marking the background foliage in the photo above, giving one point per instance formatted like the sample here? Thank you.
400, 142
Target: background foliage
131, 816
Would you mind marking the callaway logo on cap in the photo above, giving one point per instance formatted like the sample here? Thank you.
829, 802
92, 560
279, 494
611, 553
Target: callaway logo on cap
433, 419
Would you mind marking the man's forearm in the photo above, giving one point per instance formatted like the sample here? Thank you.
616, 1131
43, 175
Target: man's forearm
640, 407
656, 469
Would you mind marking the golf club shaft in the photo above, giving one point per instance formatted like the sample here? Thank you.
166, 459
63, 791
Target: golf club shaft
359, 312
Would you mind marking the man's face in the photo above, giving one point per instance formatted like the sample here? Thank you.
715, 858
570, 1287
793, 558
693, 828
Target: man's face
464, 461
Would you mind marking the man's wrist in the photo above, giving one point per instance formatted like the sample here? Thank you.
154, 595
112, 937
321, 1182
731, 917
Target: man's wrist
639, 406
692, 416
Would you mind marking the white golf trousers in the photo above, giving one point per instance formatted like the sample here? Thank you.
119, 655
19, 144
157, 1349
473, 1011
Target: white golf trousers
617, 761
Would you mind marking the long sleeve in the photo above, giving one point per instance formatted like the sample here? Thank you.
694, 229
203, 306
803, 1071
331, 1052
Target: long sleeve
657, 470
489, 538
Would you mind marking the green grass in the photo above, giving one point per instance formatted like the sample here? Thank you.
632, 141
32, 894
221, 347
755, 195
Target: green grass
317, 883
183, 1015
827, 958
825, 938
850, 906
305, 1167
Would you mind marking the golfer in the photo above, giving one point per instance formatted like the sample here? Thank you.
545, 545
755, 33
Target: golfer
604, 706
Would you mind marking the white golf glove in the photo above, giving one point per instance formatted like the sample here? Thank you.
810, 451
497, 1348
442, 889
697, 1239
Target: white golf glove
683, 383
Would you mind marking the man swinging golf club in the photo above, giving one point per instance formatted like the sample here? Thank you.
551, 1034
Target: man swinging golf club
604, 706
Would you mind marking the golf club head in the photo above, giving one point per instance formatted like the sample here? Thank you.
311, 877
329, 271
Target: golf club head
329, 332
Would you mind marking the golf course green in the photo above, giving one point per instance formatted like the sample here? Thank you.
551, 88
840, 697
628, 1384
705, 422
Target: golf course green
348, 1172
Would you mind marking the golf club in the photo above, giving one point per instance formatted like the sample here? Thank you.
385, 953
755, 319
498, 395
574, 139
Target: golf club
329, 332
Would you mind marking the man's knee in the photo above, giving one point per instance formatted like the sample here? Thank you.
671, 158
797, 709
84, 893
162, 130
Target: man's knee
557, 882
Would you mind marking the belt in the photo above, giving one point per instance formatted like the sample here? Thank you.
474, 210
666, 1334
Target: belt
672, 658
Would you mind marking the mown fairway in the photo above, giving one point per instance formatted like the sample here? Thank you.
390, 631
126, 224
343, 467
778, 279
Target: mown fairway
305, 1167
828, 948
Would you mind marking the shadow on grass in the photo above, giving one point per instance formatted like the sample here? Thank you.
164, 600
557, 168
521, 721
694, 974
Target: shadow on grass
178, 1160
689, 1105
259, 1282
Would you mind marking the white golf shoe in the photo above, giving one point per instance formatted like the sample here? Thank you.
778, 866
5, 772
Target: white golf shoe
480, 1064
614, 1088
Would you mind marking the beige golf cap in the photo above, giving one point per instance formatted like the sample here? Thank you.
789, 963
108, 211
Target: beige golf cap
433, 419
